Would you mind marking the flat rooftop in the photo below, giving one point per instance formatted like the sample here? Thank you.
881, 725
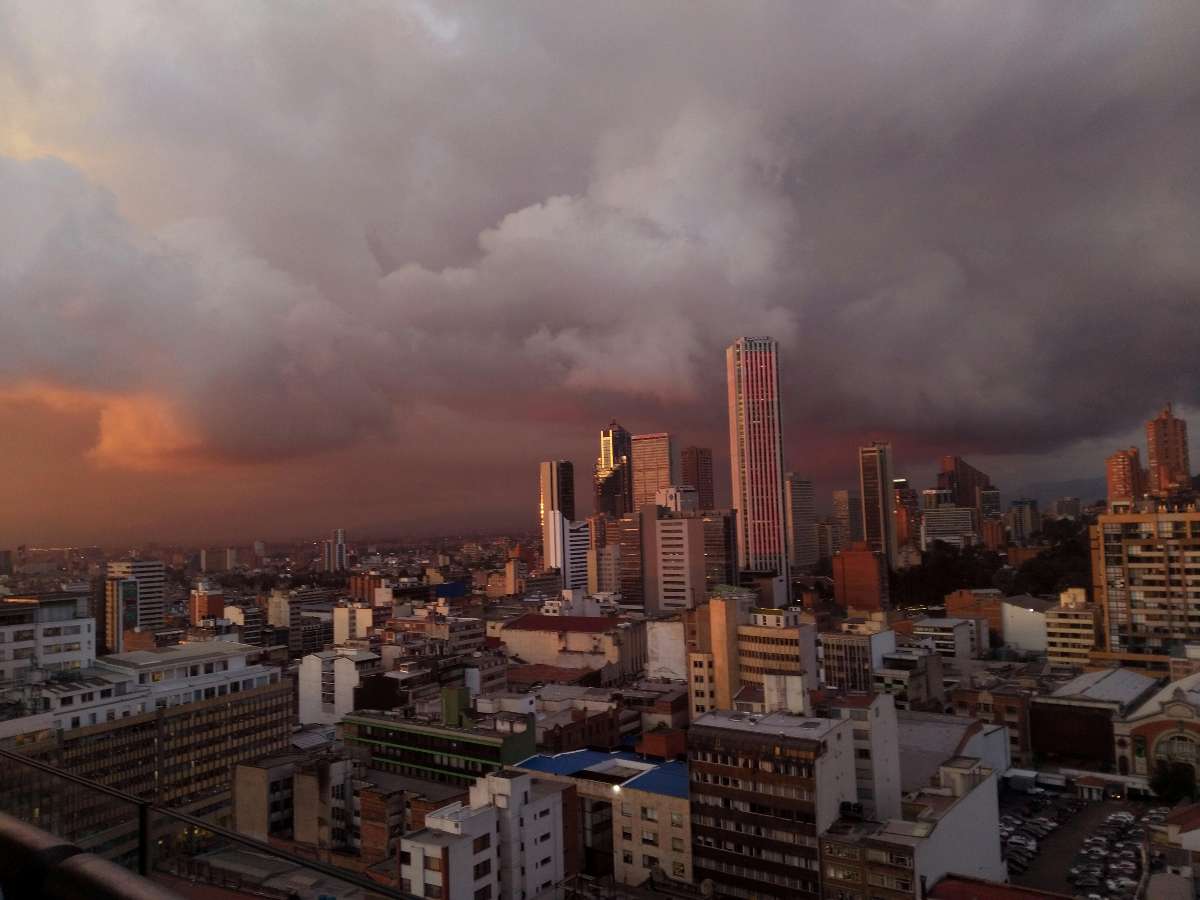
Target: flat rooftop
782, 724
178, 653
629, 770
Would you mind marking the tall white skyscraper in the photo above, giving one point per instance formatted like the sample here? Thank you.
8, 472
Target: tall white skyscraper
875, 488
565, 548
756, 454
801, 521
150, 575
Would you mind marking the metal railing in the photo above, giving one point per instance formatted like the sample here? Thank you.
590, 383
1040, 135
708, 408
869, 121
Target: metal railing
147, 831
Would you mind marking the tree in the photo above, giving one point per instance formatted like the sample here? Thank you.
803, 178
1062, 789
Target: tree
1173, 782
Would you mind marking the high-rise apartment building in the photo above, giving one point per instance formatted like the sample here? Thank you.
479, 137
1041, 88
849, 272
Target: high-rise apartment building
334, 555
697, 470
1124, 476
150, 575
720, 547
678, 581
653, 466
954, 525
1167, 452
847, 516
1143, 566
756, 454
875, 485
565, 548
1024, 519
907, 505
612, 481
801, 514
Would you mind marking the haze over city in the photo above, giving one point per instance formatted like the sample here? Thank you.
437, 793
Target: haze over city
264, 268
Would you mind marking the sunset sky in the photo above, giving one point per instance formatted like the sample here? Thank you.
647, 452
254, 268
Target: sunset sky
269, 268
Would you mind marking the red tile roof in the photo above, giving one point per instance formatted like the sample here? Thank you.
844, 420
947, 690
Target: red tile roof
538, 622
1186, 818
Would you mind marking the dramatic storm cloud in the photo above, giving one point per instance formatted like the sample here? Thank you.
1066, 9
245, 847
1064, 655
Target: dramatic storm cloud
268, 267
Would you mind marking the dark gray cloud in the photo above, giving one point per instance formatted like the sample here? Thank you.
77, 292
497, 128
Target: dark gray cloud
970, 224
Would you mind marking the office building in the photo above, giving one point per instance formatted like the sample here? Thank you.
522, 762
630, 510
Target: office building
949, 638
455, 856
876, 748
334, 556
964, 482
913, 676
678, 499
678, 574
1142, 565
989, 505
251, 619
953, 525
849, 660
801, 517
616, 646
565, 548
906, 503
48, 633
654, 467
860, 578
556, 492
1072, 630
875, 487
785, 774
847, 515
720, 548
696, 466
1125, 476
1068, 508
612, 481
1167, 452
205, 602
756, 455
448, 754
146, 611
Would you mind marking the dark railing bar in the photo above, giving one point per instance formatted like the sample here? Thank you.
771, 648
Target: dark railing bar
145, 807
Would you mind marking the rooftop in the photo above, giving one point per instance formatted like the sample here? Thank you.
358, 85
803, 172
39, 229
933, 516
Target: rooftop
938, 622
1122, 686
1186, 689
1035, 604
783, 724
178, 653
538, 622
629, 770
1186, 818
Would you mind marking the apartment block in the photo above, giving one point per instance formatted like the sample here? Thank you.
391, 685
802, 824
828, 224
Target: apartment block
950, 638
876, 748
50, 632
1072, 630
913, 676
327, 681
849, 660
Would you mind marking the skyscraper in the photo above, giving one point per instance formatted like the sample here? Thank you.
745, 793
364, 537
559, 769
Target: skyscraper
1124, 475
565, 548
964, 482
1167, 452
801, 521
875, 484
653, 466
847, 519
907, 504
698, 472
612, 482
556, 490
334, 552
756, 454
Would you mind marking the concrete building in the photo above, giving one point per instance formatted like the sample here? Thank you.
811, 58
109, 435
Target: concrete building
965, 483
849, 660
532, 818
666, 649
334, 555
614, 647
1140, 563
788, 773
913, 676
1000, 704
696, 469
565, 547
876, 748
847, 516
612, 481
205, 602
1162, 732
50, 632
327, 681
1024, 520
678, 498
1167, 452
860, 578
1024, 620
556, 490
947, 827
950, 638
677, 579
928, 739
455, 856
632, 812
970, 603
250, 619
756, 454
353, 621
1072, 630
875, 487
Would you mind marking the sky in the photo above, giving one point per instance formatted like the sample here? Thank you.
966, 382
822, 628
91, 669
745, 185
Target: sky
268, 269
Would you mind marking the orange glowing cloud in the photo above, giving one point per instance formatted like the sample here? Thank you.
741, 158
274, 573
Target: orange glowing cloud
140, 432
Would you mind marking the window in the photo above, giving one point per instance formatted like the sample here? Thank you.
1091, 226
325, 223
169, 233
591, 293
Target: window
433, 891
649, 862
482, 843
626, 809
676, 820
677, 844
649, 814
405, 858
484, 893
433, 863
483, 868
626, 833
627, 857
650, 838
677, 869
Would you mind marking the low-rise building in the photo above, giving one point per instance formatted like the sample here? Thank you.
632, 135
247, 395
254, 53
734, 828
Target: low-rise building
950, 638
876, 748
614, 647
1162, 733
327, 681
1072, 630
850, 660
928, 739
51, 632
1025, 626
913, 676
950, 827
1000, 704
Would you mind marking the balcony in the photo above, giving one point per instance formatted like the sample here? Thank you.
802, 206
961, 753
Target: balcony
63, 836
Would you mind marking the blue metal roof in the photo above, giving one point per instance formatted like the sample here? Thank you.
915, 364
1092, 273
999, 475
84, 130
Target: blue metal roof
667, 778
670, 779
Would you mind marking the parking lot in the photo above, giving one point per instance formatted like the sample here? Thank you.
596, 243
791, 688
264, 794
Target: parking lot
1089, 850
